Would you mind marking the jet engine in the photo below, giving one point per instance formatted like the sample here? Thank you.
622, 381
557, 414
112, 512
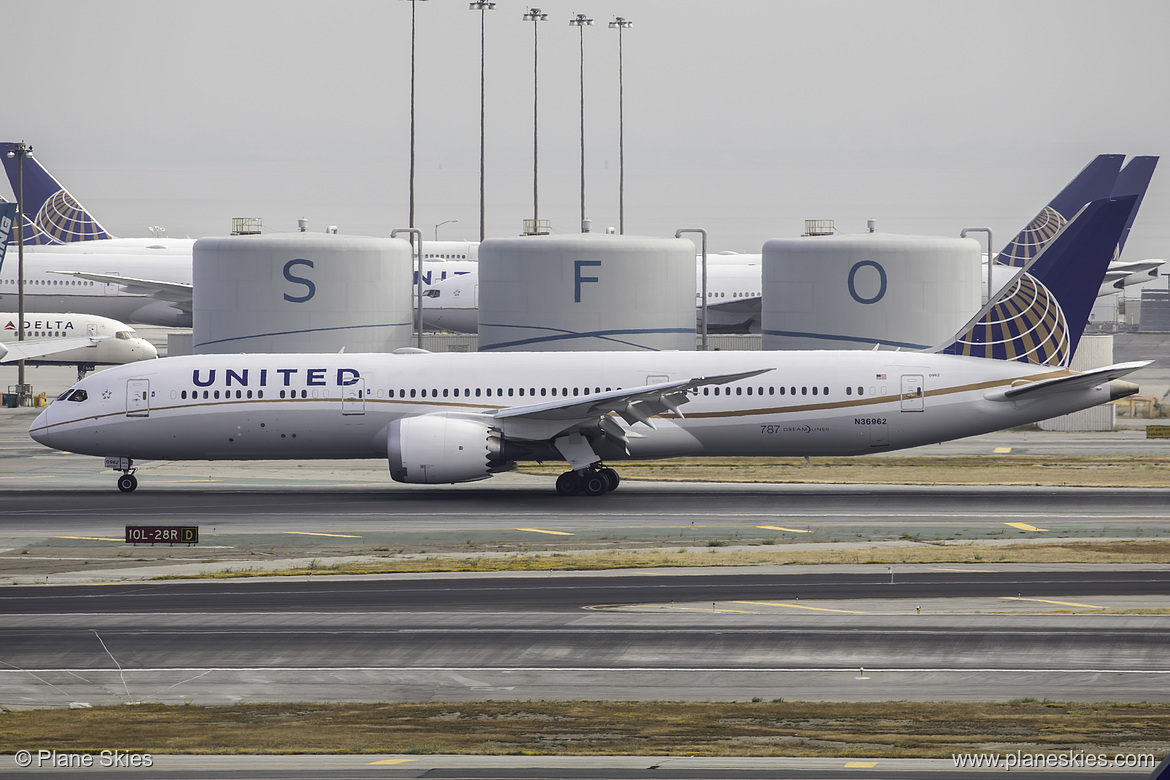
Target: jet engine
438, 448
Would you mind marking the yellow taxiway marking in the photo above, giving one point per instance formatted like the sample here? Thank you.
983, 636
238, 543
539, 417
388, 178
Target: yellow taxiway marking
860, 764
801, 606
311, 533
1002, 450
1049, 601
978, 571
388, 761
92, 538
542, 531
781, 528
31, 476
1025, 527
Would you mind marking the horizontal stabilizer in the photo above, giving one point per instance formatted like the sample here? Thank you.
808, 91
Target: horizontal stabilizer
1061, 384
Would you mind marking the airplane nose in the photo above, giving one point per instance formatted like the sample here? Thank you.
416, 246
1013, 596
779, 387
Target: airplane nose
39, 430
149, 349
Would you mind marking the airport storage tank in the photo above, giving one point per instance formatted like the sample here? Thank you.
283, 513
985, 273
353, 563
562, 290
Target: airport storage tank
301, 292
586, 292
858, 291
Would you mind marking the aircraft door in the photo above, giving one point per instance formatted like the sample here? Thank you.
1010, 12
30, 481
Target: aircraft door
913, 393
109, 288
91, 329
138, 398
353, 398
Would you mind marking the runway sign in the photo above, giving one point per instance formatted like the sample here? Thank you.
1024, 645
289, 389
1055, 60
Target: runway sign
162, 534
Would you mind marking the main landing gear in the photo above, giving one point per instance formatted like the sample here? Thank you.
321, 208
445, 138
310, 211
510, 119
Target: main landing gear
593, 481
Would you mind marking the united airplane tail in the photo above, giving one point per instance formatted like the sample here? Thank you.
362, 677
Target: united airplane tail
1096, 180
1040, 315
51, 214
1133, 180
7, 218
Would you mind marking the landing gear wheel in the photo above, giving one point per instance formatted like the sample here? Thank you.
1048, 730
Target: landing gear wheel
127, 483
568, 484
611, 477
594, 484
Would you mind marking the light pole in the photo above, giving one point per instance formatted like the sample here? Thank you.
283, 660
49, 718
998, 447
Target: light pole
416, 241
20, 150
483, 6
621, 23
703, 289
444, 222
582, 21
535, 16
412, 2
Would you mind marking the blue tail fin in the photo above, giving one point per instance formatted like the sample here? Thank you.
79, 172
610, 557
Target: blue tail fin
51, 214
1094, 181
1040, 315
1133, 180
7, 222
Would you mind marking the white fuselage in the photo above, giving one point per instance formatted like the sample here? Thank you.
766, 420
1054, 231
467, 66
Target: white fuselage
114, 343
55, 293
243, 407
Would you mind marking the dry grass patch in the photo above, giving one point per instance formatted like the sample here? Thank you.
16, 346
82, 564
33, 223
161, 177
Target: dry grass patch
1151, 551
888, 729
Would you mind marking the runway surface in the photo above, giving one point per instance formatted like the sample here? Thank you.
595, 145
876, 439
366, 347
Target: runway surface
617, 636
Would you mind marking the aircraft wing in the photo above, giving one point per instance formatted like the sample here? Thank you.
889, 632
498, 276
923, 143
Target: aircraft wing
27, 350
751, 305
1060, 384
633, 404
178, 294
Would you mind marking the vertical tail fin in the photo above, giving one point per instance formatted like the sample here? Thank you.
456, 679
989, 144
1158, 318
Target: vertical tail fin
1133, 180
7, 222
51, 214
1040, 315
1096, 180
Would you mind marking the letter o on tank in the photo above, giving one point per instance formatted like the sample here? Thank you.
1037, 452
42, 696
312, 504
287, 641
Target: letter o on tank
881, 293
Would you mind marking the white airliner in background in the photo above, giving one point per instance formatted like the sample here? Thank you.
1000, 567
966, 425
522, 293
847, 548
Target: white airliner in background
733, 297
443, 418
73, 264
84, 340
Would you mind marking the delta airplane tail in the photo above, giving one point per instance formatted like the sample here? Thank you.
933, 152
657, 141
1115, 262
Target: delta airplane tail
1040, 315
52, 216
1096, 180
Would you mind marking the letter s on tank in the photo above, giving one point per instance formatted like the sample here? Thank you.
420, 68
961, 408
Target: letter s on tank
312, 288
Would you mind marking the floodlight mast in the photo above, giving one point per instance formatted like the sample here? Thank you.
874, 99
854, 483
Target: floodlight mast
621, 23
535, 16
581, 21
20, 150
412, 2
483, 6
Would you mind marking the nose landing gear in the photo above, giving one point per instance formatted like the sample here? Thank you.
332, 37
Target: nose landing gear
594, 481
127, 482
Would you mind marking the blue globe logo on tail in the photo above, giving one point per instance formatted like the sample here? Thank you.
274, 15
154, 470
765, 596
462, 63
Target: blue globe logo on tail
64, 220
1026, 325
1032, 238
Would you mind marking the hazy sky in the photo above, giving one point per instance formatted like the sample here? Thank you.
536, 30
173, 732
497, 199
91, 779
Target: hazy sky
745, 118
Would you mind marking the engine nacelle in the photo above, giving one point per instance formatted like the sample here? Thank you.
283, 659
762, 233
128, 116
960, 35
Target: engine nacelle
437, 448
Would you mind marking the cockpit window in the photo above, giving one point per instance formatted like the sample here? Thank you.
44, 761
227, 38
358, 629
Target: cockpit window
125, 335
431, 293
65, 395
78, 396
